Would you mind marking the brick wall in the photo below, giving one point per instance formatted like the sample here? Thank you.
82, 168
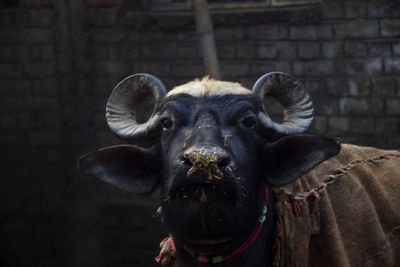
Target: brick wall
59, 60
32, 227
347, 53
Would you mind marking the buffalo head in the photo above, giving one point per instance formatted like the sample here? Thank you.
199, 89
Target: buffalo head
212, 148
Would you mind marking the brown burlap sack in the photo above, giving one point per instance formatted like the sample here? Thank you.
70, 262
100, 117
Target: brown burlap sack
348, 212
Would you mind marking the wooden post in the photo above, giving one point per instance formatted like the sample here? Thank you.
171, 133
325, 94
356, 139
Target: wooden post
205, 33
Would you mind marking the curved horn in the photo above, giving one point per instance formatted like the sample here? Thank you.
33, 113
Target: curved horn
130, 110
290, 93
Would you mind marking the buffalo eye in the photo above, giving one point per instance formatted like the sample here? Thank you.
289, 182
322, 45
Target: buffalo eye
249, 122
166, 124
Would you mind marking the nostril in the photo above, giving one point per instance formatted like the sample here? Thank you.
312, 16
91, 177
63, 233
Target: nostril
186, 160
224, 161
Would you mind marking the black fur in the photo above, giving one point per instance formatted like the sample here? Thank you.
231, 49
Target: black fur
233, 203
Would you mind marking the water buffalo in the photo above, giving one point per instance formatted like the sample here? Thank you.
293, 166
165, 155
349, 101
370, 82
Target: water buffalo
229, 176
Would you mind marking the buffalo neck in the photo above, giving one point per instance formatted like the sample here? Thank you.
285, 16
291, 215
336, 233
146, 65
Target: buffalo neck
258, 254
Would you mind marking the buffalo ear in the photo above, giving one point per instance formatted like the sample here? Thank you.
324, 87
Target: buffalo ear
292, 156
131, 168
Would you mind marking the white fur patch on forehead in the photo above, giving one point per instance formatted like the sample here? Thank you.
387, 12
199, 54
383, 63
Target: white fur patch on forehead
209, 87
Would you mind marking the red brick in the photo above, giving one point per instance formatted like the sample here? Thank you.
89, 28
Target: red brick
42, 103
380, 49
396, 48
6, 53
268, 32
332, 49
354, 9
373, 65
167, 51
45, 139
332, 10
229, 33
245, 51
309, 49
9, 35
326, 105
377, 9
359, 66
353, 106
160, 69
392, 65
363, 126
315, 86
104, 3
384, 86
40, 69
108, 35
320, 124
336, 87
113, 68
393, 106
313, 67
355, 49
10, 70
338, 125
223, 51
37, 3
357, 29
38, 35
259, 69
236, 69
390, 27
359, 86
280, 50
311, 32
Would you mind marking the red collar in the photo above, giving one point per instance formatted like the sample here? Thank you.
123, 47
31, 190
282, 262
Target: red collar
167, 254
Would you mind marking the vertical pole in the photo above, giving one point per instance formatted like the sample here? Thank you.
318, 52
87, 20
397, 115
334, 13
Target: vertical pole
205, 33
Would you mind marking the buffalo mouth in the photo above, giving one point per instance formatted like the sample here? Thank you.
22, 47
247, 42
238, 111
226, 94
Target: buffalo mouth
205, 217
209, 241
217, 244
205, 187
205, 192
208, 246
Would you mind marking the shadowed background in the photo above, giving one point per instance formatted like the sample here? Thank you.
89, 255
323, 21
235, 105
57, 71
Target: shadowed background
59, 61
